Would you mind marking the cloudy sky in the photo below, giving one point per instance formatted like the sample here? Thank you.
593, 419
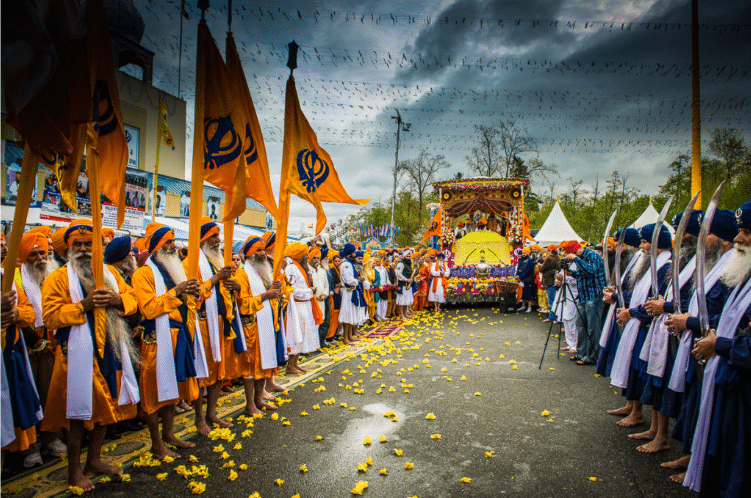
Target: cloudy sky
602, 85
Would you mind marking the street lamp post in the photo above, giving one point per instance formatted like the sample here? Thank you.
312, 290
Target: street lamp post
400, 126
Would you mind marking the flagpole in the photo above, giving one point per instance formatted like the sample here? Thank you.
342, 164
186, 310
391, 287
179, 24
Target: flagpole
23, 201
695, 105
160, 133
97, 251
229, 224
180, 57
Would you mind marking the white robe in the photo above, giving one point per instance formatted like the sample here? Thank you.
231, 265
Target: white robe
383, 304
348, 313
567, 311
405, 298
438, 270
302, 296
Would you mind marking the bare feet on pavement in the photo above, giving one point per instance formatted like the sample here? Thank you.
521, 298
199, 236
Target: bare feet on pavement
631, 421
654, 446
620, 411
680, 464
645, 436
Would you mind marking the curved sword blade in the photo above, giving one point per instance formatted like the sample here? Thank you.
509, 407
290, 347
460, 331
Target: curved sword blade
605, 259
618, 277
677, 253
701, 250
655, 239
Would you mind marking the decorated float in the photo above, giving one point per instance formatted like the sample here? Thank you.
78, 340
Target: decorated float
483, 260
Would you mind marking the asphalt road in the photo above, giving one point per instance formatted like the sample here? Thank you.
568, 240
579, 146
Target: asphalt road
575, 450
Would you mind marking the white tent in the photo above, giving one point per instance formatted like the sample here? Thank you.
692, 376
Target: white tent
556, 228
650, 215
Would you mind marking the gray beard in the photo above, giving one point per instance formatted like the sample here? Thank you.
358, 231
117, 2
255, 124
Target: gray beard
39, 271
172, 263
214, 255
129, 266
688, 250
738, 269
639, 268
305, 266
711, 256
117, 329
264, 268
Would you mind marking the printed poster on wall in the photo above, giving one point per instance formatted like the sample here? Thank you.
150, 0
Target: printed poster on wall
132, 136
212, 208
161, 201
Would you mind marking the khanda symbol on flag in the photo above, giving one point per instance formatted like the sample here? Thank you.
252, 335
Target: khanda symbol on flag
312, 169
221, 143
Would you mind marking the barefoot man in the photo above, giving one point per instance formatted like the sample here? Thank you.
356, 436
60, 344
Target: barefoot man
83, 392
214, 316
258, 302
168, 372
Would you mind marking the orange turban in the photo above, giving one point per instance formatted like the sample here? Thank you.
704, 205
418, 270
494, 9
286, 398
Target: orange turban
552, 247
482, 221
570, 246
611, 241
527, 251
43, 229
29, 241
157, 235
78, 229
583, 243
460, 224
315, 252
296, 250
270, 239
58, 240
536, 247
2, 236
140, 244
252, 244
208, 228
108, 233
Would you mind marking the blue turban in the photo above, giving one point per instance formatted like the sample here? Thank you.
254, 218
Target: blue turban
723, 225
117, 250
348, 249
664, 241
743, 216
324, 252
359, 254
632, 237
693, 226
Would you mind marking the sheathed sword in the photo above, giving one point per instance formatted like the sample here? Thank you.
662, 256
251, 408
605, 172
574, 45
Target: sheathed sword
655, 240
618, 284
677, 253
605, 248
701, 250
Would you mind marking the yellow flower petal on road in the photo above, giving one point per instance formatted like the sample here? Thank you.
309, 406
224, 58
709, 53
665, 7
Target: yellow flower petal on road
478, 394
552, 369
395, 419
507, 344
124, 477
435, 436
430, 416
286, 422
76, 490
319, 438
489, 454
409, 465
366, 441
545, 413
466, 479
279, 482
444, 369
303, 468
398, 452
502, 356
316, 406
243, 466
517, 342
551, 420
162, 477
512, 362
303, 413
361, 467
232, 475
593, 479
193, 458
218, 448
255, 494
359, 487
343, 405
169, 459
383, 439
238, 446
369, 461
515, 367
383, 472
274, 416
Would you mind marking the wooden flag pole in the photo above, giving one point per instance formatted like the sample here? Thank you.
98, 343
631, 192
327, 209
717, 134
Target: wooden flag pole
23, 201
695, 105
97, 251
160, 136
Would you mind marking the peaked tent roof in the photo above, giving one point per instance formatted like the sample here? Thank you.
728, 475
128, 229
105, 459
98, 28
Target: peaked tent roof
556, 228
650, 215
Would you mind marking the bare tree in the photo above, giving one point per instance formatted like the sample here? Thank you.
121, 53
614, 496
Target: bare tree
576, 188
484, 157
512, 142
728, 145
535, 167
421, 173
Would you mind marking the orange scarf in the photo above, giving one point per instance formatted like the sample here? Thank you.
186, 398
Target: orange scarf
317, 313
442, 268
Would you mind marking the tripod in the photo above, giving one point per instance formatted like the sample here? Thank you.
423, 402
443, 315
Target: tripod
561, 298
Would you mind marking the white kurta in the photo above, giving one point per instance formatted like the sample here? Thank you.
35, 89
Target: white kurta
405, 298
567, 311
302, 295
363, 310
383, 304
348, 313
438, 270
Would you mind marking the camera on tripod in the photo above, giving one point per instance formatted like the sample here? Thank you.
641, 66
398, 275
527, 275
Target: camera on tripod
565, 264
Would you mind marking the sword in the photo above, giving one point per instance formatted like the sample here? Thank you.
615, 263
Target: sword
677, 252
618, 284
701, 249
655, 239
605, 248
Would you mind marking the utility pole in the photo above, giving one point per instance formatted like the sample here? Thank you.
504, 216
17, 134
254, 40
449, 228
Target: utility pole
400, 126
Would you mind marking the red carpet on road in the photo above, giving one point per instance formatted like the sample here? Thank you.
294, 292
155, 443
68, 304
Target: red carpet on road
384, 329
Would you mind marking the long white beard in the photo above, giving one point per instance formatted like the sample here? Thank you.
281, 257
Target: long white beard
688, 250
172, 264
264, 268
639, 268
738, 269
117, 329
129, 265
214, 255
39, 271
52, 263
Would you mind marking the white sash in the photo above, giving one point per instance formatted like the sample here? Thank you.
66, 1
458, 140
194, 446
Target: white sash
265, 320
212, 313
655, 348
34, 293
608, 327
622, 362
80, 360
293, 334
166, 378
678, 377
732, 313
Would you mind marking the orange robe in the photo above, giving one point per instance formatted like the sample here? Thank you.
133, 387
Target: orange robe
151, 307
26, 318
421, 297
249, 362
59, 312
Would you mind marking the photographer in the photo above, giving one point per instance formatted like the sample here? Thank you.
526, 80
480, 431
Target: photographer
590, 280
548, 269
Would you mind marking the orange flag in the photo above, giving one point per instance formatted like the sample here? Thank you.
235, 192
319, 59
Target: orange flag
435, 226
257, 180
222, 131
107, 116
